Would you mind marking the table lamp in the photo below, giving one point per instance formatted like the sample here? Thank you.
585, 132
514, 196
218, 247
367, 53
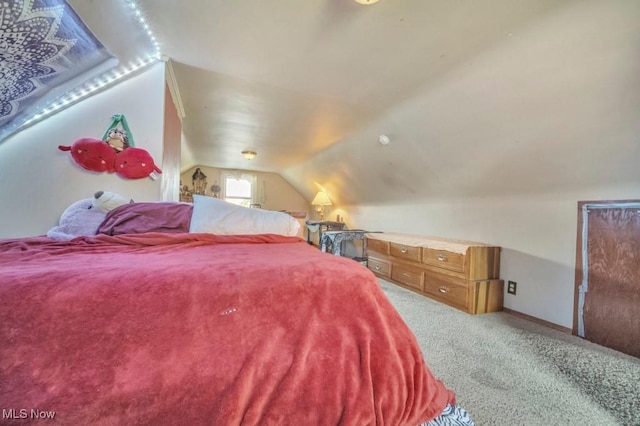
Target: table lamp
321, 200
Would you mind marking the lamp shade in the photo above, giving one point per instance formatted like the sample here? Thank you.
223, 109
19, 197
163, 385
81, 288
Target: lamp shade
321, 199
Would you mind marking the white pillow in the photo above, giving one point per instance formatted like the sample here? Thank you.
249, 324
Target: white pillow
215, 216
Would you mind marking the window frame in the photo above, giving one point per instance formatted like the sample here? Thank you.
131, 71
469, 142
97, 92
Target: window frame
250, 177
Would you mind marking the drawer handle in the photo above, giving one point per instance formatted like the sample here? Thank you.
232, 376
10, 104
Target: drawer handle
377, 267
404, 250
443, 289
442, 258
404, 274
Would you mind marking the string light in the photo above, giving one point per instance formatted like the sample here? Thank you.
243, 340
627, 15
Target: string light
107, 78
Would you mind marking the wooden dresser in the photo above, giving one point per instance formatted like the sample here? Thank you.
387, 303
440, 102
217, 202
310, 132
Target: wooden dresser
462, 274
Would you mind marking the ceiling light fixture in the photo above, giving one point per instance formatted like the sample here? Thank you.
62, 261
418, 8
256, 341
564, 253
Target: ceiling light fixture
366, 1
249, 155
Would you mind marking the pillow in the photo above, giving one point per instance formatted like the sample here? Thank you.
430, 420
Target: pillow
214, 216
137, 218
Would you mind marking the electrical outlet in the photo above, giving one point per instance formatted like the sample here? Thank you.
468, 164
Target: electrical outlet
511, 287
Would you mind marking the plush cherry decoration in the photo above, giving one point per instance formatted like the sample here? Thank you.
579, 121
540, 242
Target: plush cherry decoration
92, 154
135, 163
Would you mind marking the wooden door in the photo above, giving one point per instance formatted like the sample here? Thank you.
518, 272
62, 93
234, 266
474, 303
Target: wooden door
609, 244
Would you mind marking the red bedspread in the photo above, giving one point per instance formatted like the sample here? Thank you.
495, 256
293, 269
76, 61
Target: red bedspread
202, 329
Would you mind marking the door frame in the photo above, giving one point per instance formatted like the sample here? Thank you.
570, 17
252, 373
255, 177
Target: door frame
581, 280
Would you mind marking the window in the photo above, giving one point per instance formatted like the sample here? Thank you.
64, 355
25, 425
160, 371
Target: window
239, 189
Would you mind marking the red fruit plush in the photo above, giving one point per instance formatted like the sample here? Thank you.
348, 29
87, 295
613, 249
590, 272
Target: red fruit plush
135, 163
92, 154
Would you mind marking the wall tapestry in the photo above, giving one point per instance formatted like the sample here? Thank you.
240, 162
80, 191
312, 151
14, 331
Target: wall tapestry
45, 51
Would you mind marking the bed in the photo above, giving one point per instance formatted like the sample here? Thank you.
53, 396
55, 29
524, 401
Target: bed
180, 327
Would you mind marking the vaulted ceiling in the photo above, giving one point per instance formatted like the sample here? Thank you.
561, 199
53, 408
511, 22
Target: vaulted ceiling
310, 85
289, 78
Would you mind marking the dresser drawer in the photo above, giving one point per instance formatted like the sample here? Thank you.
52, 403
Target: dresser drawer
447, 289
405, 252
444, 259
380, 267
407, 275
378, 245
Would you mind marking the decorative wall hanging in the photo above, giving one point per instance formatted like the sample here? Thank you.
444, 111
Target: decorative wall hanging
199, 181
215, 189
45, 50
198, 187
115, 152
92, 154
131, 162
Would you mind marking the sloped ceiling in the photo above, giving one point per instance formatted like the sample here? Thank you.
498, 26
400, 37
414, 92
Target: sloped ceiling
479, 97
291, 78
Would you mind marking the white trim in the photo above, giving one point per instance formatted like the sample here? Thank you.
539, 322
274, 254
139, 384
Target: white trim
172, 82
251, 177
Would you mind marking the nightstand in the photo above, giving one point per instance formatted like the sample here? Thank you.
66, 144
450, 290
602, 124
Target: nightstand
332, 241
320, 227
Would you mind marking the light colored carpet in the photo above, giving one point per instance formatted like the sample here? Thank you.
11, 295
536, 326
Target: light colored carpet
509, 371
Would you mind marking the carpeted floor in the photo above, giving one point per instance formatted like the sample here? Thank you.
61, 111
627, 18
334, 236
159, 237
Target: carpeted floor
509, 371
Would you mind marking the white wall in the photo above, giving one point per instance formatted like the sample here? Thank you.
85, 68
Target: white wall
501, 149
272, 191
537, 235
38, 181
